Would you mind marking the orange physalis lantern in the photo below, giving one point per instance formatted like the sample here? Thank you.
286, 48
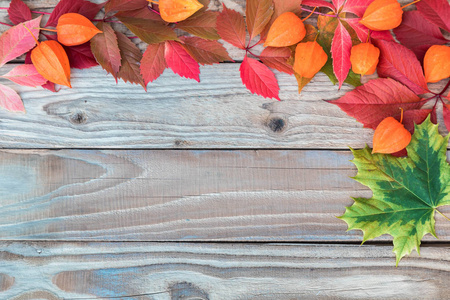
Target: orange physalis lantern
286, 30
382, 15
177, 10
390, 136
74, 29
364, 58
436, 63
309, 59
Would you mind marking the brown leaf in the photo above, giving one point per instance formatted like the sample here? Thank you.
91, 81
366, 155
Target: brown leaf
205, 52
151, 32
131, 58
203, 25
105, 48
231, 27
258, 15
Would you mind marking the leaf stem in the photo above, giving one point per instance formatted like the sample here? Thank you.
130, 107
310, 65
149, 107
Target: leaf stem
409, 4
309, 14
443, 215
153, 10
319, 13
37, 42
445, 88
251, 47
252, 53
6, 24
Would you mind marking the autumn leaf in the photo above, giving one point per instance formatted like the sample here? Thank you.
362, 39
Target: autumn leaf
17, 40
279, 8
82, 7
259, 79
19, 12
205, 52
149, 31
340, 52
276, 58
231, 27
131, 57
446, 113
436, 11
153, 62
105, 48
10, 100
203, 25
180, 61
407, 192
258, 14
26, 75
124, 5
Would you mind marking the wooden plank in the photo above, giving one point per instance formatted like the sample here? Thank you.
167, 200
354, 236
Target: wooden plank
220, 271
180, 196
219, 112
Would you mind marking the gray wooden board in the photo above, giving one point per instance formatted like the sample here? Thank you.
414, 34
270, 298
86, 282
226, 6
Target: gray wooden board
178, 195
176, 112
219, 271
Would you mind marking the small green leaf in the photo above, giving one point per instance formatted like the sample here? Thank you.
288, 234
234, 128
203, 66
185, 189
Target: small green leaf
406, 191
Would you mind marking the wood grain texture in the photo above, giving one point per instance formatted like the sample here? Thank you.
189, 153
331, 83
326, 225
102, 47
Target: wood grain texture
219, 112
179, 195
221, 271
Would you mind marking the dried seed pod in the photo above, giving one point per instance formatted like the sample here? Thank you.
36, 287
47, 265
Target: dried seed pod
74, 29
364, 58
177, 10
51, 62
390, 136
309, 59
286, 30
436, 63
382, 15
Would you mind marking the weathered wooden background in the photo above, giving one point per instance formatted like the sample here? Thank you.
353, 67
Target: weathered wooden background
191, 191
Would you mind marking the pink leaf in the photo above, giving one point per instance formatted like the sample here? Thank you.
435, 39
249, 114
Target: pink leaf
357, 7
376, 100
319, 3
276, 58
361, 31
340, 52
153, 63
10, 100
82, 7
400, 63
436, 11
416, 33
259, 79
19, 12
446, 113
180, 61
17, 40
231, 27
26, 75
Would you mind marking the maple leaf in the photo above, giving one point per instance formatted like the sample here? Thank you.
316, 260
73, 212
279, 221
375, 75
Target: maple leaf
82, 7
205, 52
259, 79
106, 50
406, 191
10, 100
26, 75
180, 61
131, 57
203, 25
153, 62
19, 12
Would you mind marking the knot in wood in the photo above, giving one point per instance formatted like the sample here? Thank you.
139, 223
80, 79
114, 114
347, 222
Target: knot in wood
78, 118
276, 124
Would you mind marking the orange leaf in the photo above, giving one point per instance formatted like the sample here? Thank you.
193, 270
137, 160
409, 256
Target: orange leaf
74, 29
437, 63
51, 62
382, 15
364, 58
286, 30
177, 10
309, 59
390, 136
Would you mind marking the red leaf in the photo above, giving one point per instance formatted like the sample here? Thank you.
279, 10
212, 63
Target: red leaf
259, 79
180, 61
82, 7
416, 33
80, 57
50, 86
446, 113
26, 75
204, 25
131, 57
258, 14
340, 52
436, 11
205, 52
357, 7
361, 31
319, 3
19, 12
231, 27
105, 48
338, 3
276, 58
400, 63
17, 40
153, 63
10, 100
376, 100
125, 5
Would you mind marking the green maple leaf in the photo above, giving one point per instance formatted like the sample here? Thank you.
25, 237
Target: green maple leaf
406, 191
